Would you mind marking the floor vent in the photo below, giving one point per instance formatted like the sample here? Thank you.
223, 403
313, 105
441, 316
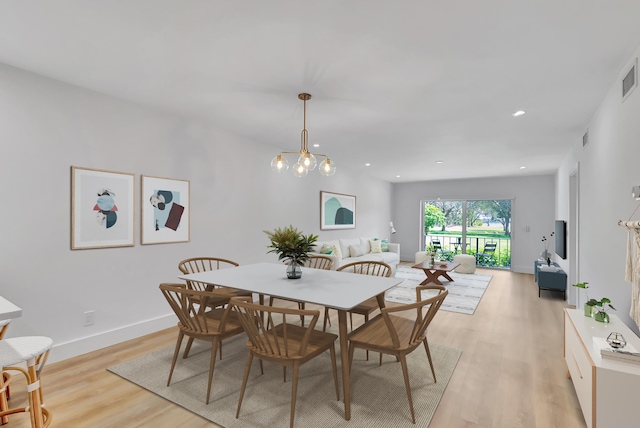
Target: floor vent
585, 139
630, 80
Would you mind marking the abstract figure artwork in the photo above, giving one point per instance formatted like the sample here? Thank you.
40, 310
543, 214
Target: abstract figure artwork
102, 213
165, 210
106, 208
337, 211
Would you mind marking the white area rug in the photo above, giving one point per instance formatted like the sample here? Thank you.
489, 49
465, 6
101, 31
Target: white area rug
378, 397
465, 291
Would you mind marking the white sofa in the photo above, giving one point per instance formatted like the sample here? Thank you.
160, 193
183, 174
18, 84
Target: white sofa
356, 249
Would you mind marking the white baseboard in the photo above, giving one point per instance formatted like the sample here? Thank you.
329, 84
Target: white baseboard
63, 351
522, 269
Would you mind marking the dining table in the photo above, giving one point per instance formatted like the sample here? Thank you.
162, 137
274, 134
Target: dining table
337, 290
8, 310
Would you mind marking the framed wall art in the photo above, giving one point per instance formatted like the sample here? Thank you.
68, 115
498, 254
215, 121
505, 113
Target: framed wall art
165, 210
337, 211
102, 209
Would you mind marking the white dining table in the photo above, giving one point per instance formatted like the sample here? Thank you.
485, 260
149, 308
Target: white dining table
8, 310
337, 290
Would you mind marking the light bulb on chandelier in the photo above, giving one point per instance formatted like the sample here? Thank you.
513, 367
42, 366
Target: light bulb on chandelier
280, 164
307, 161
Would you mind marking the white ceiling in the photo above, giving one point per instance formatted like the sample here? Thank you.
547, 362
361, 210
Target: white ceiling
398, 84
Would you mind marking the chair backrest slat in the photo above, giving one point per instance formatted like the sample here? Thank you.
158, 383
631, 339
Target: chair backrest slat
319, 262
373, 268
186, 305
203, 264
274, 341
422, 319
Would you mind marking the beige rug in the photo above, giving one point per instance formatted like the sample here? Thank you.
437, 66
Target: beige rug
465, 292
378, 396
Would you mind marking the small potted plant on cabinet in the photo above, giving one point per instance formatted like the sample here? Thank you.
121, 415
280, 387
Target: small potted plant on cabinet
601, 307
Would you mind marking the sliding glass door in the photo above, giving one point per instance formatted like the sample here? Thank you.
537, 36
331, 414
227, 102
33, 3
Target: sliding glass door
481, 228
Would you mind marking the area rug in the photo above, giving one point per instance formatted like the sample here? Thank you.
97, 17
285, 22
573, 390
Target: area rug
378, 396
465, 291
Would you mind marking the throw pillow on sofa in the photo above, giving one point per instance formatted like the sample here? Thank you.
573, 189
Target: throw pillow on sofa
326, 249
337, 251
384, 244
345, 243
376, 246
356, 250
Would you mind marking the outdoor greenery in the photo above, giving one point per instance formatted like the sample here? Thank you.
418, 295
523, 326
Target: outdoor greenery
432, 216
443, 220
477, 211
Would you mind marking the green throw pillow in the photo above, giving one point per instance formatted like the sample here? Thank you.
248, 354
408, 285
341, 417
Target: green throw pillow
384, 244
326, 249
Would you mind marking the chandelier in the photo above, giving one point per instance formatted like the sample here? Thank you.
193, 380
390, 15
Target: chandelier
307, 161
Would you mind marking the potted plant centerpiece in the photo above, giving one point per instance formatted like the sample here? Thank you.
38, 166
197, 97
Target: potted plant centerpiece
601, 306
292, 246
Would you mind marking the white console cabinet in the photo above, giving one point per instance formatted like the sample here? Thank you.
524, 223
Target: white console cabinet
608, 390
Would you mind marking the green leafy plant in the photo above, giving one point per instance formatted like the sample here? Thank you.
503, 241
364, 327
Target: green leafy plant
430, 249
602, 305
290, 244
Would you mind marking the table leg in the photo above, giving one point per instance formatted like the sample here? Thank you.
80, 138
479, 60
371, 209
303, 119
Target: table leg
344, 358
431, 277
446, 275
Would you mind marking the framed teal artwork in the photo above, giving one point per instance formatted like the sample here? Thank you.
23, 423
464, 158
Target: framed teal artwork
337, 211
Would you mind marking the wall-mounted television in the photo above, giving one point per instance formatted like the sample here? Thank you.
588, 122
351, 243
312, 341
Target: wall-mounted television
561, 238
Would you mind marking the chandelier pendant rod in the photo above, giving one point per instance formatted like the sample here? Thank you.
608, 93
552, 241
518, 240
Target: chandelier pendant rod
307, 160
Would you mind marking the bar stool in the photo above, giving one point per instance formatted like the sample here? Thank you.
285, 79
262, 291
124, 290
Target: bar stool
5, 378
32, 350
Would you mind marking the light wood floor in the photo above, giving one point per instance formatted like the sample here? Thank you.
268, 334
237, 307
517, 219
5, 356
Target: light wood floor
511, 373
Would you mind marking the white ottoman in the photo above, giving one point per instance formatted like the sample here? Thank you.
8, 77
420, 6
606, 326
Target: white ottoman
467, 263
421, 256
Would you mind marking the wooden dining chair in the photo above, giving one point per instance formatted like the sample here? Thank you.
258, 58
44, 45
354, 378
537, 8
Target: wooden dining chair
206, 264
223, 294
285, 344
369, 306
399, 330
213, 325
313, 262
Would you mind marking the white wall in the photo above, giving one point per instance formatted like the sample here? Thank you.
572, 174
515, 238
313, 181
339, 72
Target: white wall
48, 126
608, 169
534, 207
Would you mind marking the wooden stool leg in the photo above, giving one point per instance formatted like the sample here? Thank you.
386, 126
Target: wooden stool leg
35, 400
3, 398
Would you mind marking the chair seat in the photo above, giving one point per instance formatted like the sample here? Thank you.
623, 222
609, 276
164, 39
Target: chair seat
319, 341
18, 349
366, 307
374, 334
213, 319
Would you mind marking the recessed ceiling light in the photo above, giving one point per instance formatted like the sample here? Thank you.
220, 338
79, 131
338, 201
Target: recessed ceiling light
316, 145
367, 164
397, 176
439, 161
518, 113
522, 167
